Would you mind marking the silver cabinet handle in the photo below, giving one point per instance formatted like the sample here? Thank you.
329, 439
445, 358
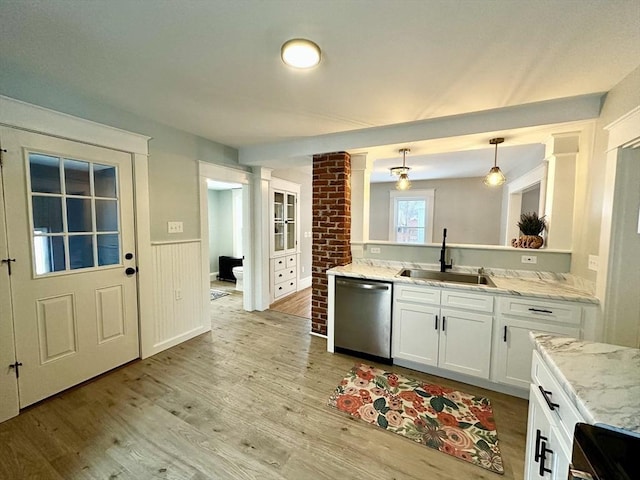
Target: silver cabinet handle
363, 286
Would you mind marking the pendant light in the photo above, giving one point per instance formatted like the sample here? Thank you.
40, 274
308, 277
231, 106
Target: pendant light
495, 177
402, 172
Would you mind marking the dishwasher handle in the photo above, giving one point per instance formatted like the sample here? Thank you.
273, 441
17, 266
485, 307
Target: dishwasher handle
363, 286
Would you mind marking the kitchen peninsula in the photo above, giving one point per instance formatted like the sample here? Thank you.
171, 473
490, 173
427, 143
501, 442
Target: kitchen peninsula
474, 333
578, 382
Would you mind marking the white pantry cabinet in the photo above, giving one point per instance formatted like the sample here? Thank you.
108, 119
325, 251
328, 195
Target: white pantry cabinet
283, 265
427, 330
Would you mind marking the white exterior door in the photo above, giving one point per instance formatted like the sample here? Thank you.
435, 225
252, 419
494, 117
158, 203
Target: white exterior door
70, 230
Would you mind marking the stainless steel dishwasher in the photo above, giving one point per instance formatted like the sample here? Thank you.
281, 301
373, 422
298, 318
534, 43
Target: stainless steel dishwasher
362, 317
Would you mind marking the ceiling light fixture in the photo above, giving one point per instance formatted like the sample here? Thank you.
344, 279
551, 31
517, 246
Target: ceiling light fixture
402, 172
495, 177
300, 53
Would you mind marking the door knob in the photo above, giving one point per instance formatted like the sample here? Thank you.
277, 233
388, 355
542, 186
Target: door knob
128, 256
130, 271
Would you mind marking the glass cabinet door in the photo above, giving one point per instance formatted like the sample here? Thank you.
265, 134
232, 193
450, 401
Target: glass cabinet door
291, 221
278, 222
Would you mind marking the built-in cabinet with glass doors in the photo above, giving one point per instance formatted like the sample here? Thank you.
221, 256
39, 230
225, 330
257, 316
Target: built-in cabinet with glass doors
284, 240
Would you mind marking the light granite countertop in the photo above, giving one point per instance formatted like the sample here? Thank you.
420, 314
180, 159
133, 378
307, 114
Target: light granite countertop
508, 282
602, 380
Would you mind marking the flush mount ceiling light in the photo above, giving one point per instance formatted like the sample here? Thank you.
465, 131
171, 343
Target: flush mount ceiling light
300, 53
495, 177
402, 172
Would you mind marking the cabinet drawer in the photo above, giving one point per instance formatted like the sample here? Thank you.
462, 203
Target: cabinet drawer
290, 261
279, 263
417, 294
563, 409
556, 312
468, 301
282, 275
284, 288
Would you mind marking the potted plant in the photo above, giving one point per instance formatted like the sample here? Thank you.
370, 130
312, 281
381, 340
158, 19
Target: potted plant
531, 226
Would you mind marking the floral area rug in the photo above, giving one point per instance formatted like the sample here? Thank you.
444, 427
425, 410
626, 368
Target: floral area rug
452, 422
216, 294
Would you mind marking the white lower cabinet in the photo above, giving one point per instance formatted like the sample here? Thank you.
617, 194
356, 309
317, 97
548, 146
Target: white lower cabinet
482, 335
546, 456
552, 418
427, 332
516, 317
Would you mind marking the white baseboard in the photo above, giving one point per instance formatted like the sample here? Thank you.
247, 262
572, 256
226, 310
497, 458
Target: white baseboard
213, 276
304, 283
318, 335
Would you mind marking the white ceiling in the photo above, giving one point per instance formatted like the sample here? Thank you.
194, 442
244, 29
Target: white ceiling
212, 67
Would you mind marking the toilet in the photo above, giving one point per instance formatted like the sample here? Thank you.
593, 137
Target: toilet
237, 272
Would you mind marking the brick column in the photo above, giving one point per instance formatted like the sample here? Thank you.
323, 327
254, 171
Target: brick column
331, 227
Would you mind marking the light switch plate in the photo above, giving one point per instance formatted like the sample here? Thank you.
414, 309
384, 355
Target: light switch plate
529, 259
594, 261
174, 227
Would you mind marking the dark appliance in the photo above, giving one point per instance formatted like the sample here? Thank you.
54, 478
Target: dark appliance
600, 453
225, 266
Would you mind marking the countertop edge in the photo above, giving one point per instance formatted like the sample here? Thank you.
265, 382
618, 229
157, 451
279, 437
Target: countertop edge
566, 349
391, 276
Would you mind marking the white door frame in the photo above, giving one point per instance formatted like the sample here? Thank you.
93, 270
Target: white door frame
231, 175
623, 133
33, 118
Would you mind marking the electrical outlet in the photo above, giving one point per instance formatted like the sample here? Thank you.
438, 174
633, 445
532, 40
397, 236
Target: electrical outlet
375, 250
529, 259
593, 262
178, 294
302, 268
174, 227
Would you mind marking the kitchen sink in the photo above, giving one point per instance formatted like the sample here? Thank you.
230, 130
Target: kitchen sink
451, 277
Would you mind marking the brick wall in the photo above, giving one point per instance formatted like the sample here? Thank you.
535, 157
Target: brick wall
331, 227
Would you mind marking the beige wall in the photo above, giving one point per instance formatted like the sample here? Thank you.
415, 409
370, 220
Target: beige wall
469, 210
589, 194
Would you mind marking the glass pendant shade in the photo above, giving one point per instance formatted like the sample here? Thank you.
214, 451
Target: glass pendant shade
402, 172
403, 182
495, 177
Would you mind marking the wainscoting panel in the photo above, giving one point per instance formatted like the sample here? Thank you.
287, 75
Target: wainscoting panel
177, 293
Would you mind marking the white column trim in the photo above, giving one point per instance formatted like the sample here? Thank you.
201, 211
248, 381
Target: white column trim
623, 132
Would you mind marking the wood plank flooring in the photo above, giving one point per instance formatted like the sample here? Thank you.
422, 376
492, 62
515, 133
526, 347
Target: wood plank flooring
246, 401
298, 304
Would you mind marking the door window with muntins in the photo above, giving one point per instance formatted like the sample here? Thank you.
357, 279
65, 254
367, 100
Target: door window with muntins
74, 214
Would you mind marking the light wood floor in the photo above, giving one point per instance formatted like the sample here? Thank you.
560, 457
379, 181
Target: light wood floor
298, 304
246, 401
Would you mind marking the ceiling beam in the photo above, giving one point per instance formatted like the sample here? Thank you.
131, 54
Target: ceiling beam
583, 107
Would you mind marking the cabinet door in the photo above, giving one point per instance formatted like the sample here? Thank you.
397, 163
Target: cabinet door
279, 225
465, 342
415, 333
290, 222
545, 457
515, 348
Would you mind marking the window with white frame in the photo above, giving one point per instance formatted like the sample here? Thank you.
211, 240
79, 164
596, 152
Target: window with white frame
411, 216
